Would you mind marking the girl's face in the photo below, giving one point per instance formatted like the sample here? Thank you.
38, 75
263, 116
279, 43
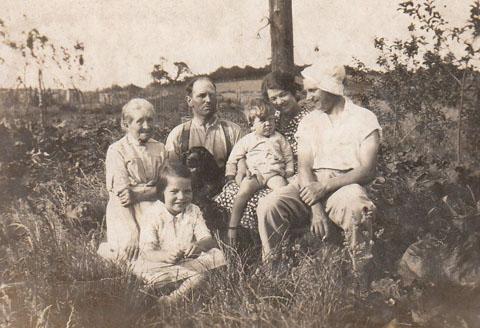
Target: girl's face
140, 124
282, 100
264, 127
177, 194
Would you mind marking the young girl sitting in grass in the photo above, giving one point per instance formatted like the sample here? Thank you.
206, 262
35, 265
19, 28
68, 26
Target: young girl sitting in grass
175, 244
268, 157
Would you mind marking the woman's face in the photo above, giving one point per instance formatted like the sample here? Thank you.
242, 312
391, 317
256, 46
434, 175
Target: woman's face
282, 100
140, 124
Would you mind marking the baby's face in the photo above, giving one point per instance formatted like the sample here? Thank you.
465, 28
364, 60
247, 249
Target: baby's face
264, 127
177, 194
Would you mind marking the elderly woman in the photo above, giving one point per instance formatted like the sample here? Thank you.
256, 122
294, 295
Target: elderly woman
133, 166
280, 90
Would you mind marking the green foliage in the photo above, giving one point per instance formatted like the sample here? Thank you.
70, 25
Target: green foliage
429, 75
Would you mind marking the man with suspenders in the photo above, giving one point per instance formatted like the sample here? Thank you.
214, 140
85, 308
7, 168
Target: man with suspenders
205, 129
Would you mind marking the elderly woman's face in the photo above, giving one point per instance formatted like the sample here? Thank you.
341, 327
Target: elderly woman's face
282, 100
140, 124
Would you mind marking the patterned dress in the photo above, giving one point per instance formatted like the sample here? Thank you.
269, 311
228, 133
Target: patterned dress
225, 199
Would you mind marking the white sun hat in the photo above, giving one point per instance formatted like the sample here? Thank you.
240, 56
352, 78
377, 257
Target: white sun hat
327, 77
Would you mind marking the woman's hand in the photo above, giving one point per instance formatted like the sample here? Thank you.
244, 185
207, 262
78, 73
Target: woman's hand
126, 197
313, 192
132, 248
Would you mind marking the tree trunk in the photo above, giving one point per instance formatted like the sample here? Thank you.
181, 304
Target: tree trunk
281, 34
460, 113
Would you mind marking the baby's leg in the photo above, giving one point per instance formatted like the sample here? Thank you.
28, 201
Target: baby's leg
247, 188
276, 182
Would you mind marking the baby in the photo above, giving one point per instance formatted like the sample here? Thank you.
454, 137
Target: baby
175, 243
268, 157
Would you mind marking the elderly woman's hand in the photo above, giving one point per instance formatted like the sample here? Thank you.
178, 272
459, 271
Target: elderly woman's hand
126, 197
313, 192
132, 247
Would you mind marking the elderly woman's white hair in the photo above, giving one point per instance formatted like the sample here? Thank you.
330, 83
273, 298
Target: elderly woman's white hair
133, 105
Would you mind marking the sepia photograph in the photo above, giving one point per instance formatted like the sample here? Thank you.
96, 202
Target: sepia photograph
254, 163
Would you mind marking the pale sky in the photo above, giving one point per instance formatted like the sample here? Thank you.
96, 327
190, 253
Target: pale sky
124, 39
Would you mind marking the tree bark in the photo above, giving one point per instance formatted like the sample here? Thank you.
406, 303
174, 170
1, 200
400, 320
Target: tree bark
281, 34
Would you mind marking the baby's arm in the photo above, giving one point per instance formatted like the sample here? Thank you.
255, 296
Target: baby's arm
238, 153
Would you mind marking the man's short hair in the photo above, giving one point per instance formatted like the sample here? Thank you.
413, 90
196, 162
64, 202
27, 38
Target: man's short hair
171, 169
190, 84
133, 105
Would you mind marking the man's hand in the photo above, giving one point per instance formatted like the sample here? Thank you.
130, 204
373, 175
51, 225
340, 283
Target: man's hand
320, 226
173, 257
132, 248
126, 197
313, 192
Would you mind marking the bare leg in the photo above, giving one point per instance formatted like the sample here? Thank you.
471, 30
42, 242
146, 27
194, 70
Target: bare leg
276, 182
247, 188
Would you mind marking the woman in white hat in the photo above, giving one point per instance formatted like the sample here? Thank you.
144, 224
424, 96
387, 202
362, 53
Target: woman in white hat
337, 150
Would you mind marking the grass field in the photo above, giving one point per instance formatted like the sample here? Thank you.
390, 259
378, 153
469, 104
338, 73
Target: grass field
53, 205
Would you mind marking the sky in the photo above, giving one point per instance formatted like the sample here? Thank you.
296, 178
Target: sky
124, 39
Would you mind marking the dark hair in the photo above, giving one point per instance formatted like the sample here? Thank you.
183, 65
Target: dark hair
280, 81
261, 109
171, 169
190, 84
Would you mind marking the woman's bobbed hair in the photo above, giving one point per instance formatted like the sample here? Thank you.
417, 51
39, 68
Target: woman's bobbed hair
281, 81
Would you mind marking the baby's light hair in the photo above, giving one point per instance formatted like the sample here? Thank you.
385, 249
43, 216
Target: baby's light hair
260, 109
133, 105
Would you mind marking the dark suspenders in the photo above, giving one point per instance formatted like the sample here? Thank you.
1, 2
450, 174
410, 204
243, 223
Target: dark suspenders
185, 137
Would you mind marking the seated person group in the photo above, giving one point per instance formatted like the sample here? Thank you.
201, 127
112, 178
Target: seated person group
298, 167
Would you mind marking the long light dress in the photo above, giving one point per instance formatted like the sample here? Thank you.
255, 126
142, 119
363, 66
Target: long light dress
129, 163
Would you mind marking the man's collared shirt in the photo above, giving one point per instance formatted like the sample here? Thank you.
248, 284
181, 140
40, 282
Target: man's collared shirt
337, 145
211, 136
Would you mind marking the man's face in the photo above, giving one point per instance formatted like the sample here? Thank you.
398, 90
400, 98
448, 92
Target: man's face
203, 100
140, 124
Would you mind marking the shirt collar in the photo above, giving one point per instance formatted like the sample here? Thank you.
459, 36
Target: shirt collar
346, 109
169, 217
198, 123
136, 142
